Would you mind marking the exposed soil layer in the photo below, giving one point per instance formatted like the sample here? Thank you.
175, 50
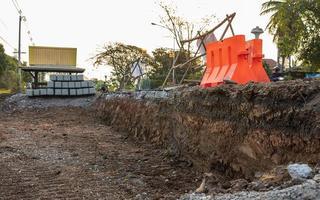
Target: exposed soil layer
232, 129
66, 153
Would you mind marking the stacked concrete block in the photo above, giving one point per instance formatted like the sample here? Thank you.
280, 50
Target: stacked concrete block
84, 84
77, 84
50, 92
85, 91
29, 92
80, 78
59, 77
65, 85
57, 84
58, 92
73, 92
92, 91
50, 84
71, 85
79, 92
53, 77
74, 77
65, 92
43, 92
66, 78
36, 92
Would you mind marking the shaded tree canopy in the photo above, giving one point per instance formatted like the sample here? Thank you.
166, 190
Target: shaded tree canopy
163, 58
294, 25
8, 71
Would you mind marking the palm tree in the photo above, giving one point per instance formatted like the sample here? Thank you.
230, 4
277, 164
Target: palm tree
286, 25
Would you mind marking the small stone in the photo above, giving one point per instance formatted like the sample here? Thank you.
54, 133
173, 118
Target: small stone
317, 178
299, 171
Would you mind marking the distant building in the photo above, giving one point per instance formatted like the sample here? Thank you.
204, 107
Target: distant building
270, 62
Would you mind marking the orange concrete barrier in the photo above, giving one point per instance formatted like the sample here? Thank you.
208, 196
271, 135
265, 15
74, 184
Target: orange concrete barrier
234, 59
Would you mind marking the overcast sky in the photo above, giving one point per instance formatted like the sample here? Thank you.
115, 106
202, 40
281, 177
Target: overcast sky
88, 24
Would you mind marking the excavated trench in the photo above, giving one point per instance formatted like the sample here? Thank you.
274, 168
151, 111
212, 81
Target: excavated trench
234, 130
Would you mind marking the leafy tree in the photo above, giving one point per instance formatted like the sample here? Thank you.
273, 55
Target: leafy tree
8, 72
286, 25
309, 51
294, 25
163, 58
3, 60
120, 56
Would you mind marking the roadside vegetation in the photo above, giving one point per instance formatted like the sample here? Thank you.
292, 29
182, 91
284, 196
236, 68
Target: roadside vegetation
9, 73
295, 26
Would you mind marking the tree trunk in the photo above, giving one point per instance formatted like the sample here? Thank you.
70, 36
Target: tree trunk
282, 64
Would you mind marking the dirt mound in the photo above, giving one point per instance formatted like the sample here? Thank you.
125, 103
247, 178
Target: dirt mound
235, 130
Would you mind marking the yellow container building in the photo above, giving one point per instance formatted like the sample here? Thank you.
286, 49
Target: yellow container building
52, 56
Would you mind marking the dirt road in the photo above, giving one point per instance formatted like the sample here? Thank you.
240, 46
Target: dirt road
66, 153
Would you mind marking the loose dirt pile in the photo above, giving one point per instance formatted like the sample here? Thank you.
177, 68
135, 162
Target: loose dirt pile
237, 131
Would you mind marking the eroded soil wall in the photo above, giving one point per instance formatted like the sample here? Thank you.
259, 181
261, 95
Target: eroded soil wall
236, 130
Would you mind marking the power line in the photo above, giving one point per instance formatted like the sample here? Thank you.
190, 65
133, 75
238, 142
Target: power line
5, 41
24, 19
16, 5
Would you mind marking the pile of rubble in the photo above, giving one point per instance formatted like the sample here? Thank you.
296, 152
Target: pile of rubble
304, 183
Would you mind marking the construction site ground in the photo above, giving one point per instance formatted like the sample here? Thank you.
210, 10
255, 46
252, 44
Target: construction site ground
66, 153
163, 145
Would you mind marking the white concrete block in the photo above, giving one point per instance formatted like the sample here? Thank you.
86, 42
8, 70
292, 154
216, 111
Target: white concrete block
58, 92
85, 91
29, 92
43, 92
58, 84
74, 77
65, 92
84, 84
65, 84
50, 84
66, 77
53, 77
92, 91
73, 92
72, 84
90, 84
50, 91
79, 92
80, 77
77, 84
59, 77
36, 92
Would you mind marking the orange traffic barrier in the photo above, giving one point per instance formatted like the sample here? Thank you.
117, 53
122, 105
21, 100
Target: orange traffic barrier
234, 59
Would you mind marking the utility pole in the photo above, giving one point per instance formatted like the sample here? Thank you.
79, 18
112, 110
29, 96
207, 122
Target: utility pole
19, 52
